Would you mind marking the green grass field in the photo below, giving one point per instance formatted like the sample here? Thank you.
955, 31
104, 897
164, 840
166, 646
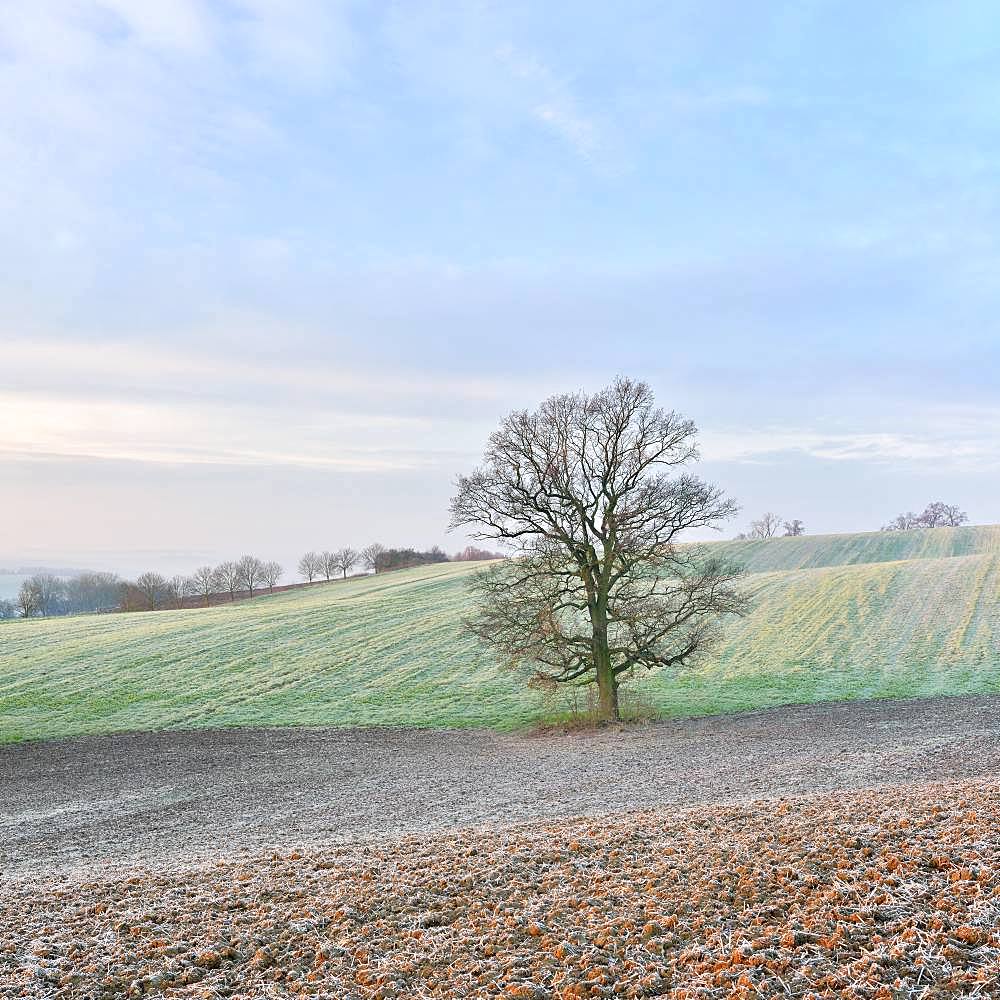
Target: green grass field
812, 551
835, 617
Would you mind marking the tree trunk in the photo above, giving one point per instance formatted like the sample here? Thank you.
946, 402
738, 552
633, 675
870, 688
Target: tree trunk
607, 701
607, 682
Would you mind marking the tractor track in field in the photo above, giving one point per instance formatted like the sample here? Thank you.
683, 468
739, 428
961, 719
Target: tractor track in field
94, 803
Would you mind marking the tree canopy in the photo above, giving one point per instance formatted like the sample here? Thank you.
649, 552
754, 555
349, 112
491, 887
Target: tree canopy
589, 494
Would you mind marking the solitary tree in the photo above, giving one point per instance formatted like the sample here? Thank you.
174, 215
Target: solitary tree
204, 582
310, 566
794, 528
346, 560
272, 573
373, 556
8, 609
251, 572
587, 492
766, 526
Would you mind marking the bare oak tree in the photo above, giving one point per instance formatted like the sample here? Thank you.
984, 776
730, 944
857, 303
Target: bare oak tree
942, 515
28, 600
935, 515
230, 577
251, 572
587, 492
766, 526
903, 522
154, 589
347, 559
373, 556
204, 582
310, 566
794, 528
271, 573
176, 591
328, 564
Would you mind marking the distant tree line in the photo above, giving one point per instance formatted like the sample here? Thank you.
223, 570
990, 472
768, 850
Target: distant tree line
327, 565
246, 575
769, 525
375, 558
43, 595
473, 554
381, 559
935, 515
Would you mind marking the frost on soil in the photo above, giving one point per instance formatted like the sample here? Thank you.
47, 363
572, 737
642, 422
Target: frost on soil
885, 894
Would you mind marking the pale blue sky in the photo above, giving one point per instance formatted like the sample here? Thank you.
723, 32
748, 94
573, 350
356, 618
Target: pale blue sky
271, 271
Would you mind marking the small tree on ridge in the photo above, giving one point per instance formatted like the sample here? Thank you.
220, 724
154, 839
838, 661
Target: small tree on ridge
250, 572
271, 574
310, 566
229, 574
372, 556
346, 559
204, 582
766, 526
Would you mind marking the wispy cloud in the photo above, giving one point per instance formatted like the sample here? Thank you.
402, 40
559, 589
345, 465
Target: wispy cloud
184, 25
946, 440
40, 427
145, 404
46, 365
308, 41
551, 101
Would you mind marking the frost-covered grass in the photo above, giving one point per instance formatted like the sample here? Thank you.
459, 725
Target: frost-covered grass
390, 650
810, 551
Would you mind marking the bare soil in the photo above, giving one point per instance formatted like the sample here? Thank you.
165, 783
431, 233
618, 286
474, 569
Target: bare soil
883, 894
91, 805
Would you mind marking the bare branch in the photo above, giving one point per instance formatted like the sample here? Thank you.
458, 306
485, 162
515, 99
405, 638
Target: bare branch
587, 491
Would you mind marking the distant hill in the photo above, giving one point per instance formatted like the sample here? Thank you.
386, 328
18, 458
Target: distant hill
810, 551
835, 617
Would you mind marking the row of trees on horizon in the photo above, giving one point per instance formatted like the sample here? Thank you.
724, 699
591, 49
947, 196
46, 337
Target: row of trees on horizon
45, 594
769, 524
376, 558
935, 515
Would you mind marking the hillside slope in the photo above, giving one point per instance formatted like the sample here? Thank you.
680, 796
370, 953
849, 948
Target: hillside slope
811, 551
390, 650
